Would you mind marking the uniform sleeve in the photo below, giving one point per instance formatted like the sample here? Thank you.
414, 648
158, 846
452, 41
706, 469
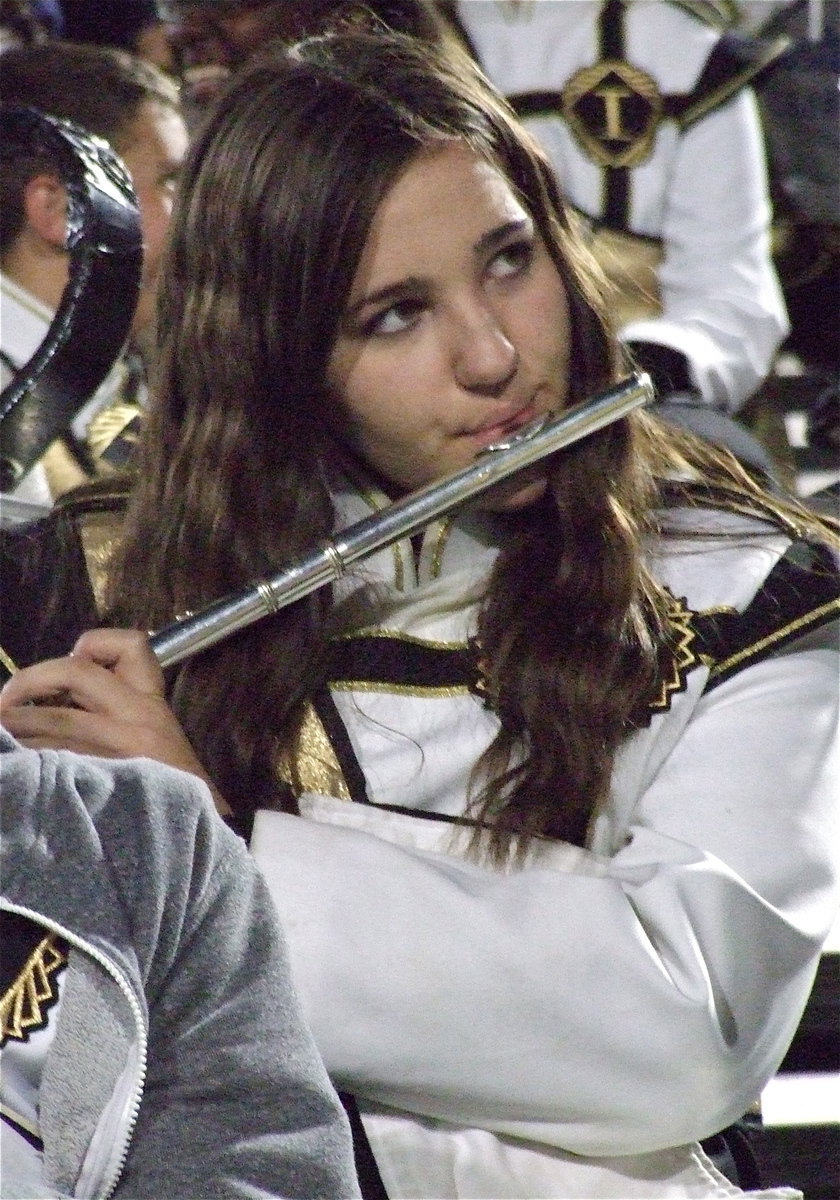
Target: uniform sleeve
620, 1006
722, 305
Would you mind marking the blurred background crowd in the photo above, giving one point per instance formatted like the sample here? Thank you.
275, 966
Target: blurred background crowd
718, 228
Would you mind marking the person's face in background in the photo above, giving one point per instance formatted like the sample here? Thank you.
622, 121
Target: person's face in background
212, 38
456, 330
152, 43
153, 149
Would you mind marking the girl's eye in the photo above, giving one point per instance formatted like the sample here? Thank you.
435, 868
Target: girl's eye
396, 319
512, 260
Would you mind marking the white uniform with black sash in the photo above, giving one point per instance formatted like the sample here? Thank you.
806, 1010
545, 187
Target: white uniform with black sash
571, 1028
24, 322
103, 432
650, 137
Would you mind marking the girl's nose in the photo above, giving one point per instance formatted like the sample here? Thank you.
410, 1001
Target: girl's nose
485, 359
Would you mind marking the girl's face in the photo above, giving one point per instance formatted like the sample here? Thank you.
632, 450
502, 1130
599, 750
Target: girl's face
456, 331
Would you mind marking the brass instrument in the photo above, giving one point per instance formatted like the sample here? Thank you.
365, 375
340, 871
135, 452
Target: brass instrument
403, 518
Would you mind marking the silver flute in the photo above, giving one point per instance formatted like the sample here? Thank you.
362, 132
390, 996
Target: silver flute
405, 517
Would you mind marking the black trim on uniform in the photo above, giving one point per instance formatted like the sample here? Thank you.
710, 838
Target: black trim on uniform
32, 959
370, 1181
21, 937
735, 62
611, 29
26, 1134
397, 661
425, 814
537, 104
339, 739
616, 180
616, 197
800, 594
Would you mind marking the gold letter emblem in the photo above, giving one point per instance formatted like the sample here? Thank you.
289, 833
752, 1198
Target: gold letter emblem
613, 110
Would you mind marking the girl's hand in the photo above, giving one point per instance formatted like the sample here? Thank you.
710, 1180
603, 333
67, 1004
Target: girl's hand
106, 699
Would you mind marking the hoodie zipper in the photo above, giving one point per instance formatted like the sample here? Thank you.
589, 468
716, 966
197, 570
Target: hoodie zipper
140, 1025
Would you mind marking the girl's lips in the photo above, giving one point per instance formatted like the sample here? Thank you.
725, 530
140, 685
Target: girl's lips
498, 432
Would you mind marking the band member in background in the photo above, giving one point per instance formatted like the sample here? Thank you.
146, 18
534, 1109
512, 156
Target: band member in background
647, 114
136, 109
213, 39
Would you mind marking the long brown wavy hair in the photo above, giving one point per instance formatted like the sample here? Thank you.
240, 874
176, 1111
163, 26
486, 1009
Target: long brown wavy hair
277, 199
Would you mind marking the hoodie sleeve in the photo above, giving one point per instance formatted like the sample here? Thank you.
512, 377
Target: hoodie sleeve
131, 859
237, 1101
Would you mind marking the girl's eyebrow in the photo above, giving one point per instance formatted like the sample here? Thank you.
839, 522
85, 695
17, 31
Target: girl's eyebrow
413, 283
391, 291
495, 237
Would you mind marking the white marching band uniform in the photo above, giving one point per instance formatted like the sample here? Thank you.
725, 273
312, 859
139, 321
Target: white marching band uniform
700, 278
25, 322
570, 1028
103, 419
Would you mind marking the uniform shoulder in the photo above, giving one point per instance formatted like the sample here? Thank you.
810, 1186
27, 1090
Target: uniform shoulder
720, 14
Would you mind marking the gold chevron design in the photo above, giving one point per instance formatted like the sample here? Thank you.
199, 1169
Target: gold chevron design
23, 1007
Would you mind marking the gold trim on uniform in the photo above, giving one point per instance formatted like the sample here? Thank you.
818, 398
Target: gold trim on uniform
99, 539
109, 424
23, 1006
685, 655
613, 109
441, 538
399, 689
61, 468
722, 14
778, 635
312, 765
7, 662
377, 505
396, 635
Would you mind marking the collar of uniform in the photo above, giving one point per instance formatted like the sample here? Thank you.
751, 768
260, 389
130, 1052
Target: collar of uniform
468, 542
25, 321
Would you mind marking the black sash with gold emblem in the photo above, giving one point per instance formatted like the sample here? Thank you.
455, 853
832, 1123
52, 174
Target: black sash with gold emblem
614, 109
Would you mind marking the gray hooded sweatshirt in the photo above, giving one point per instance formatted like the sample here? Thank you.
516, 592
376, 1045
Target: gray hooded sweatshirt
181, 1068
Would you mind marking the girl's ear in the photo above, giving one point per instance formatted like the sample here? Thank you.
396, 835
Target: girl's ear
45, 207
